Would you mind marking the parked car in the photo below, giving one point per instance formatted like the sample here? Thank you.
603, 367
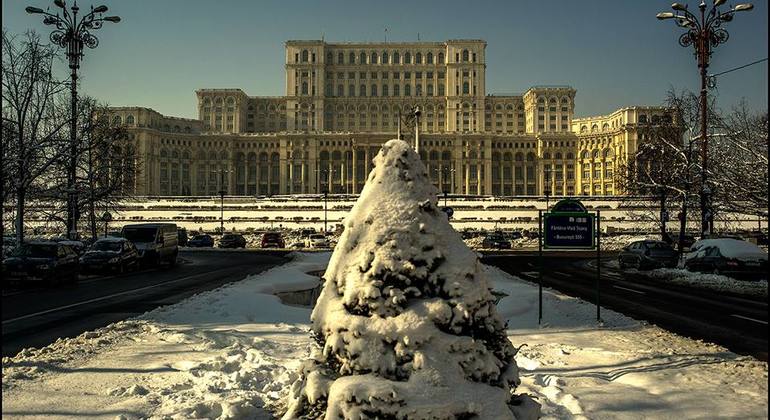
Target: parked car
110, 254
648, 254
726, 256
9, 243
496, 241
305, 233
201, 241
514, 235
182, 236
316, 241
42, 261
272, 240
156, 242
78, 246
232, 240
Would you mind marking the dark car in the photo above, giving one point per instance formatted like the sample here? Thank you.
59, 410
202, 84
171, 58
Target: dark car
42, 261
201, 241
648, 254
182, 236
496, 241
272, 240
727, 256
514, 235
232, 240
110, 254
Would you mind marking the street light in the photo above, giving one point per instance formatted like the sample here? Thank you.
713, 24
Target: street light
222, 193
547, 197
703, 34
72, 33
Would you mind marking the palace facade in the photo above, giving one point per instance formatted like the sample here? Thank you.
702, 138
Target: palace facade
343, 100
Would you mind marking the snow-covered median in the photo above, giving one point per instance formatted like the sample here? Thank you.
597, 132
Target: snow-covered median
231, 353
715, 282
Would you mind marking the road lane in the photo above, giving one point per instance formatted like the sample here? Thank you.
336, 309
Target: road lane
738, 323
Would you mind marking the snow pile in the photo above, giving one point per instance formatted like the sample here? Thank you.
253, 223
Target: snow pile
715, 282
406, 322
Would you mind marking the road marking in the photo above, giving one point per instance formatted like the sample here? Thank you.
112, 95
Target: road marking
72, 305
749, 319
630, 290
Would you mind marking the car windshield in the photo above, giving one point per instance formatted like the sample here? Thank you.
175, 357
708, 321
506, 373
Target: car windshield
35, 250
657, 245
229, 237
272, 236
139, 234
317, 237
106, 246
200, 237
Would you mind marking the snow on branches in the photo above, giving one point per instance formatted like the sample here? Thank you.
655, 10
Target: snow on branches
406, 324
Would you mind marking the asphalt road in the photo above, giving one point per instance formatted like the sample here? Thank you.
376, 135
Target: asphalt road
35, 317
737, 323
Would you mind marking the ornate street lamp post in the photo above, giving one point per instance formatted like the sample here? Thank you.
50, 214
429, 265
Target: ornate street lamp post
704, 33
72, 33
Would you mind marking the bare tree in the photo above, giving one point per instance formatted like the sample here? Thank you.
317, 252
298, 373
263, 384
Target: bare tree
666, 164
106, 168
30, 113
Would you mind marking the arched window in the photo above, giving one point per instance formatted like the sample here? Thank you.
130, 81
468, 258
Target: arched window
304, 56
596, 154
430, 90
465, 88
130, 120
407, 90
546, 155
340, 58
304, 88
384, 57
396, 90
329, 58
362, 58
418, 58
373, 59
440, 58
407, 58
396, 58
352, 58
465, 55
384, 90
340, 90
373, 91
429, 58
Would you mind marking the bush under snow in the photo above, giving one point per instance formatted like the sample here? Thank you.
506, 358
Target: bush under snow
406, 324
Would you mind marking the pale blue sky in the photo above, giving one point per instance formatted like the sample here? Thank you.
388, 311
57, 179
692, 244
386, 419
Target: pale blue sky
615, 53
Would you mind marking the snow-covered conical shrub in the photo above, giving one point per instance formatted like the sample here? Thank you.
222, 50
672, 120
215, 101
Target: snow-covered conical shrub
406, 322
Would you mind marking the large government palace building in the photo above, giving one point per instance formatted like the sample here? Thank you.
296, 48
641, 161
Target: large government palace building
343, 101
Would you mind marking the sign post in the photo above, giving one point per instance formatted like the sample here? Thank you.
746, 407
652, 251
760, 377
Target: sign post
569, 226
539, 266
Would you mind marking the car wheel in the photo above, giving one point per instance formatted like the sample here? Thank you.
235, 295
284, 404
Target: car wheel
121, 268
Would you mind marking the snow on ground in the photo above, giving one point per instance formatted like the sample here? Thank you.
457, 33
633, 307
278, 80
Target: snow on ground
231, 352
719, 283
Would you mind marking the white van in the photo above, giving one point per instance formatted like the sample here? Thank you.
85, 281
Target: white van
156, 242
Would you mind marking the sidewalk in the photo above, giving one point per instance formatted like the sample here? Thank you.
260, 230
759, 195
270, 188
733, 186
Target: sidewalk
232, 353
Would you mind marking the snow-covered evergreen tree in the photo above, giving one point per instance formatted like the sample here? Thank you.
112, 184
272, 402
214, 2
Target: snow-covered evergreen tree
406, 322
